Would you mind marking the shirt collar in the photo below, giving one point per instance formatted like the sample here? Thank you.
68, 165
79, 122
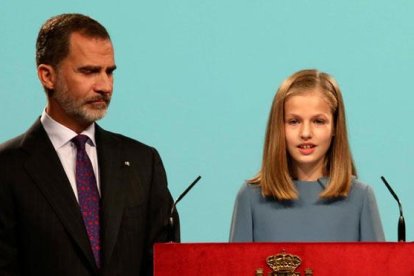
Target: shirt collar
60, 135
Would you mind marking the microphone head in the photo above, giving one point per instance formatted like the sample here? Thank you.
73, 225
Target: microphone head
401, 229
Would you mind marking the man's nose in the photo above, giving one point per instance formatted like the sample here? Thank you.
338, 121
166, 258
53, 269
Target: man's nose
104, 83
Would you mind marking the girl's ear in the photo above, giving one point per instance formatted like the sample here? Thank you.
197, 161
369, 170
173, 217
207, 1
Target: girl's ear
47, 76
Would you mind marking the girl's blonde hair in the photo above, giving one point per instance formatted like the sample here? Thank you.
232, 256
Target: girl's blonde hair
276, 173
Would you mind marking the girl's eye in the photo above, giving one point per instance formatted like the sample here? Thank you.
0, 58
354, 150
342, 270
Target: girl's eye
320, 121
293, 122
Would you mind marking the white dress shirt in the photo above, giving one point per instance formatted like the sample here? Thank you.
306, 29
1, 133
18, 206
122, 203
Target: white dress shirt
61, 137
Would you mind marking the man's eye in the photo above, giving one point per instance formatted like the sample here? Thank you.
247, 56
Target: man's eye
88, 71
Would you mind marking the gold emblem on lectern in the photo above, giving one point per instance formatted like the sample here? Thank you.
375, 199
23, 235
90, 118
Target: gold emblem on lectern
283, 264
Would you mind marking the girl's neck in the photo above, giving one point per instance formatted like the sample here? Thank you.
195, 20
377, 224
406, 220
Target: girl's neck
309, 173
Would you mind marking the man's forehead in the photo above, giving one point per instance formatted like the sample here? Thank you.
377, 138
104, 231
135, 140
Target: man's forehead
96, 49
81, 38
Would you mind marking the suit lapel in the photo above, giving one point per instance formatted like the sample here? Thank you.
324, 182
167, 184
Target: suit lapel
44, 165
113, 177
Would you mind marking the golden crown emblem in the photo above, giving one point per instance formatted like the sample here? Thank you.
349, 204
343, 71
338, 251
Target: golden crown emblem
283, 262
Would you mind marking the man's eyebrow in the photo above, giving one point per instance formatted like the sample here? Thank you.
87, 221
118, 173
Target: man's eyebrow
89, 68
94, 68
111, 68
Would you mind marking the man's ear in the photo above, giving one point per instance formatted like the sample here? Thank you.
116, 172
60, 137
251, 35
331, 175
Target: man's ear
47, 76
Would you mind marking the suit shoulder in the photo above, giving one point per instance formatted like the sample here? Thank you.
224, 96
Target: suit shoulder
17, 143
129, 143
11, 145
126, 139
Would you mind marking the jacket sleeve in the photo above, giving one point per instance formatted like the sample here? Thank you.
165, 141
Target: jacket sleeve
160, 204
242, 223
8, 230
371, 227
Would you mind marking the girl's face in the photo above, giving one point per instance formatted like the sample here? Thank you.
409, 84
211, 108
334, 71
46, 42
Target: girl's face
309, 129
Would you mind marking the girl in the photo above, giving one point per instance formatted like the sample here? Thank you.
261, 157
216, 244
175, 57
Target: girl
306, 189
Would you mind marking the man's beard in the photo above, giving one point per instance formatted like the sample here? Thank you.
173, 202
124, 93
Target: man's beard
82, 110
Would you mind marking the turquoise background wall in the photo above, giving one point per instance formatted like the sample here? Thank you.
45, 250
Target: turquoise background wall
196, 79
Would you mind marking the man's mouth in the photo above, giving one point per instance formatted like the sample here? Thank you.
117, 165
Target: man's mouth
99, 101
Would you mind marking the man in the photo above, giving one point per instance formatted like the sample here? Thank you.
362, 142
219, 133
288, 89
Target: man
76, 199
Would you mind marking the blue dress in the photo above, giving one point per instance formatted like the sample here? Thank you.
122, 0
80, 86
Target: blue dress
309, 218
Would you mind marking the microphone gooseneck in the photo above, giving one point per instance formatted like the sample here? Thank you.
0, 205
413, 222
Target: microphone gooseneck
401, 221
171, 222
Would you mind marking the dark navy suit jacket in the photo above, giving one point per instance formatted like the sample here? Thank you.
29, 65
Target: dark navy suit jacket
41, 227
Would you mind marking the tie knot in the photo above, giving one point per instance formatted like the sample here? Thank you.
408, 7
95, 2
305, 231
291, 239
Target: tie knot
80, 141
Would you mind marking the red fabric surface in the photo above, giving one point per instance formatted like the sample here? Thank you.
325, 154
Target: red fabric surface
323, 258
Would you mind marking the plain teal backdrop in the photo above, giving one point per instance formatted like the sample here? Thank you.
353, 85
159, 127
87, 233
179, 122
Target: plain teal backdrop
196, 79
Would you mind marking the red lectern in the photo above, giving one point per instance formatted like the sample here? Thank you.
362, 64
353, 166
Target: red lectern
387, 258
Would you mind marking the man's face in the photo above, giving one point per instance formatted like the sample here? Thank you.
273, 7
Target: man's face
82, 83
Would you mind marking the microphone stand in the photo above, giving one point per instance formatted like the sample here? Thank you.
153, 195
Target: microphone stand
171, 222
401, 221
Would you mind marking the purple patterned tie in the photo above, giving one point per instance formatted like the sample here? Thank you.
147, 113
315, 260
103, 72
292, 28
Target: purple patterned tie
88, 196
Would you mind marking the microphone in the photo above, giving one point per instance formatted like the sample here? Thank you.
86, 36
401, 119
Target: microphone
171, 222
401, 222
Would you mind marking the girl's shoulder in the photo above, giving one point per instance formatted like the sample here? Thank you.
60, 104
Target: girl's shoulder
359, 186
248, 190
360, 189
